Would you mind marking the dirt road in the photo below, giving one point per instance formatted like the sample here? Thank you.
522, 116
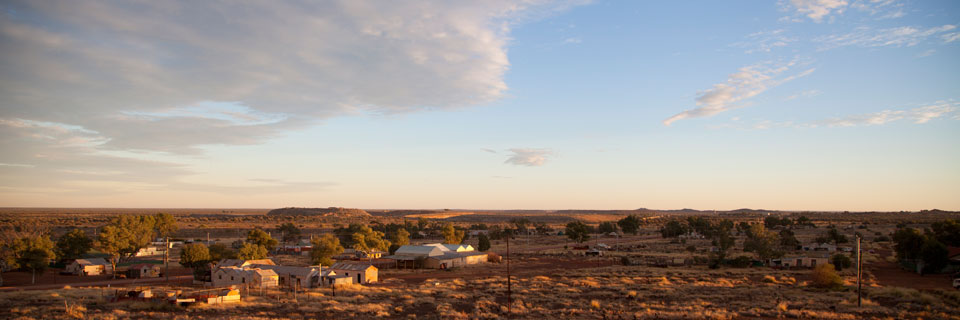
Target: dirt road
890, 274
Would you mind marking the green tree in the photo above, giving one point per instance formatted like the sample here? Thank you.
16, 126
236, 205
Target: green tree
762, 242
577, 231
947, 232
723, 241
262, 238
124, 235
788, 240
33, 253
367, 240
835, 236
219, 251
483, 243
542, 228
934, 255
165, 224
252, 251
422, 223
630, 224
840, 261
401, 238
73, 244
451, 235
607, 227
290, 232
195, 255
673, 228
521, 223
325, 247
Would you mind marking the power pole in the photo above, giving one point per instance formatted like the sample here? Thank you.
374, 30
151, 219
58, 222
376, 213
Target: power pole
166, 258
509, 298
859, 273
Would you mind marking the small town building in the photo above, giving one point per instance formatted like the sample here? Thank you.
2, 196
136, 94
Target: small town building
89, 267
144, 270
799, 262
820, 247
359, 272
243, 263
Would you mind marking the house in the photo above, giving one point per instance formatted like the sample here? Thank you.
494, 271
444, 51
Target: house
799, 262
295, 277
144, 270
437, 256
360, 272
242, 263
149, 251
247, 276
820, 247
89, 267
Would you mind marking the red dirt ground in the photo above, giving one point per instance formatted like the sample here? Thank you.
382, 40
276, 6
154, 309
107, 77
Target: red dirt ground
519, 267
890, 274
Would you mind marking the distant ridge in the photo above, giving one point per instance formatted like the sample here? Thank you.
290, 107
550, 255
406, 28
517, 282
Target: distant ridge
325, 212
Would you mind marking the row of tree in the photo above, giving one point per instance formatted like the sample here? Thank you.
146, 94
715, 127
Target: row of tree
928, 247
29, 247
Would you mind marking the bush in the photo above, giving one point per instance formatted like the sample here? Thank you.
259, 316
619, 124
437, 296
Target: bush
825, 276
625, 260
494, 257
739, 262
841, 261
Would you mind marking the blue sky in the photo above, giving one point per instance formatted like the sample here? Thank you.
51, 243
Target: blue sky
796, 105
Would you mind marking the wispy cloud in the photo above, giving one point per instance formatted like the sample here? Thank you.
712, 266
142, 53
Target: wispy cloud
488, 150
917, 115
803, 94
816, 10
906, 36
765, 41
742, 85
533, 157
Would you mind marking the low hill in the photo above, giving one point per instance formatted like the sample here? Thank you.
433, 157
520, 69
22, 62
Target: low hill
324, 212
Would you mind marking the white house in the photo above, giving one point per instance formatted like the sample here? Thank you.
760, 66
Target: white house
359, 272
437, 255
89, 267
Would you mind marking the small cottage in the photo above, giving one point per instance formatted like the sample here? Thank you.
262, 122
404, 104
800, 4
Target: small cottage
359, 272
144, 270
89, 267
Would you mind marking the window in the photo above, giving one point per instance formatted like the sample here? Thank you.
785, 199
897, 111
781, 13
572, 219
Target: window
231, 278
220, 277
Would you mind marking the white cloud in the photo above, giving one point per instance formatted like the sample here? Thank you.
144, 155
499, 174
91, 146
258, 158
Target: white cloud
136, 72
765, 41
572, 41
917, 115
951, 37
533, 157
744, 84
926, 53
804, 94
816, 10
906, 36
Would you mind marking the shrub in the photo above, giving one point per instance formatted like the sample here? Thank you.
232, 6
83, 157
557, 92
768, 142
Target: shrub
494, 257
825, 276
840, 261
739, 262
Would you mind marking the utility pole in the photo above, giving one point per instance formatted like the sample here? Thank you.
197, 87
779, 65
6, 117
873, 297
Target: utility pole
859, 273
166, 258
509, 298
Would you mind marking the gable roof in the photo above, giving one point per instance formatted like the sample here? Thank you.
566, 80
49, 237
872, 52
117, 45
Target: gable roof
92, 262
427, 250
144, 265
352, 266
283, 270
242, 263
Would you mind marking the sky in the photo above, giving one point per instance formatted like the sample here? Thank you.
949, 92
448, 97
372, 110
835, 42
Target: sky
529, 104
